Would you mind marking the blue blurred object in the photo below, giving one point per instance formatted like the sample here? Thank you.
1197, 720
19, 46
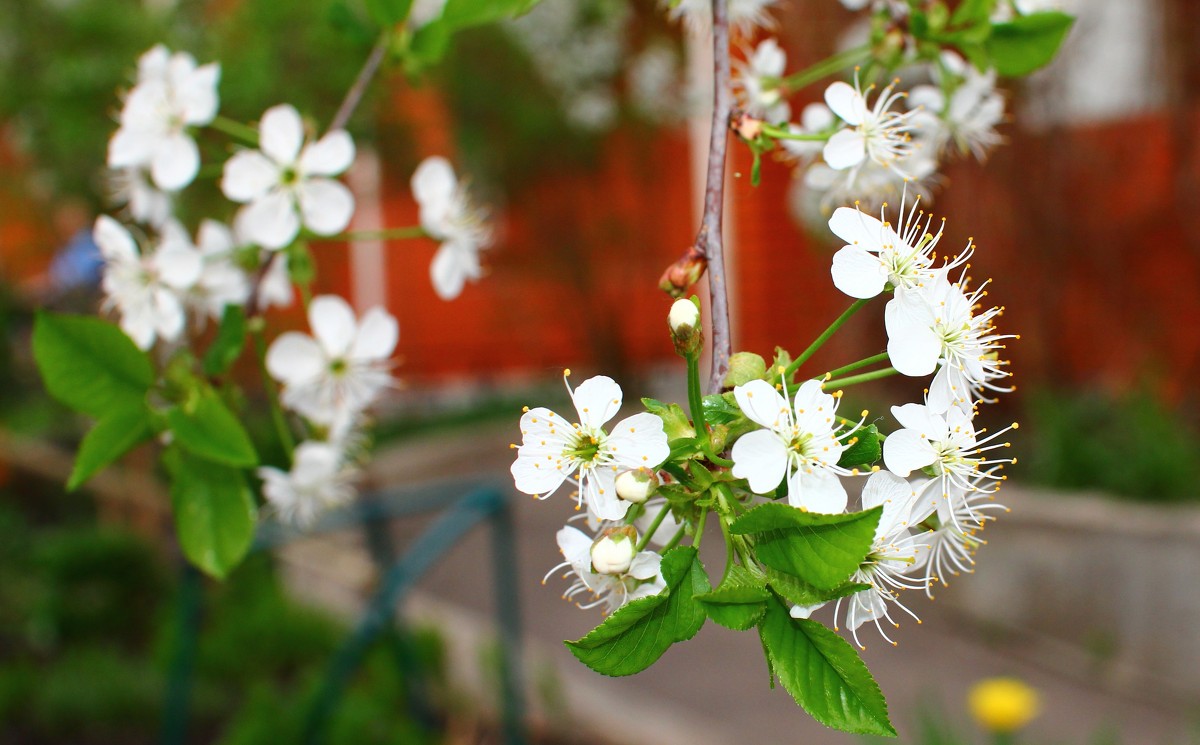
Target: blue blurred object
78, 264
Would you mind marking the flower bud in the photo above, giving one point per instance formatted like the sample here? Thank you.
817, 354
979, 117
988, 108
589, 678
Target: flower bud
614, 551
686, 332
637, 486
684, 273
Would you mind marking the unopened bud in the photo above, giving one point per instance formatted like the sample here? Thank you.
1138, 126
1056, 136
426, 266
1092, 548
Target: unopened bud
684, 321
637, 486
614, 551
746, 126
687, 271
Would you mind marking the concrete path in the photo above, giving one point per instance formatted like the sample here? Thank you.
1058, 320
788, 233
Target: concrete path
713, 689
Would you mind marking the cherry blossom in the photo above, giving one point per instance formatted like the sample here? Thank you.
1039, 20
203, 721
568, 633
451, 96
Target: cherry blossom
448, 215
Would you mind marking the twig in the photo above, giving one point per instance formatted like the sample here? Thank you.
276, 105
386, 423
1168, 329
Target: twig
709, 240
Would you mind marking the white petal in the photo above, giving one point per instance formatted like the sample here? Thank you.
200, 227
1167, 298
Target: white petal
377, 336
818, 491
761, 403
168, 314
214, 238
138, 324
537, 476
128, 148
814, 408
176, 161
178, 267
905, 451
646, 565
329, 155
846, 102
153, 63
896, 496
199, 96
448, 271
858, 273
845, 149
433, 181
333, 324
816, 117
295, 359
326, 204
248, 175
114, 241
639, 441
857, 228
574, 544
761, 458
280, 134
913, 346
601, 495
271, 221
597, 400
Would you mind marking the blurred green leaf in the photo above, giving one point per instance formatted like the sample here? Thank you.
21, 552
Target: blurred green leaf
207, 428
214, 510
1027, 43
90, 365
112, 437
227, 346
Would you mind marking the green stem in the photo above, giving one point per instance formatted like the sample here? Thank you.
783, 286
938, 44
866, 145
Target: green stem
780, 133
824, 337
237, 130
718, 460
695, 398
675, 539
653, 527
387, 234
864, 378
281, 426
700, 528
826, 67
724, 510
881, 357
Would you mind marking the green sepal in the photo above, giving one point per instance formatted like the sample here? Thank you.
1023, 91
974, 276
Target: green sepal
89, 364
675, 422
204, 426
229, 341
739, 602
782, 359
823, 673
866, 449
636, 634
798, 592
1027, 43
822, 550
214, 510
113, 436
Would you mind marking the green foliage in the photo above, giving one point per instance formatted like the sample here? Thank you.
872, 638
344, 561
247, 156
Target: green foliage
1131, 446
214, 511
744, 367
823, 673
636, 635
740, 601
112, 437
90, 365
822, 550
1027, 43
229, 342
866, 449
675, 422
205, 427
430, 42
798, 592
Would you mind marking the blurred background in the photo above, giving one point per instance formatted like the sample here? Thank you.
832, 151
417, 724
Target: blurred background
583, 124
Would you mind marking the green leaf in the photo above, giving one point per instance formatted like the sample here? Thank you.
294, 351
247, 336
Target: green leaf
971, 12
227, 346
739, 602
388, 12
798, 592
675, 422
205, 427
112, 437
865, 450
637, 634
744, 367
822, 550
89, 364
1027, 42
430, 42
823, 673
214, 511
721, 408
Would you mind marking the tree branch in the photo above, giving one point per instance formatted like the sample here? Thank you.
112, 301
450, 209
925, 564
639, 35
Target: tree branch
709, 240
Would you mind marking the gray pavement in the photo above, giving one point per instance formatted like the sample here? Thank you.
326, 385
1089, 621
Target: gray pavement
714, 688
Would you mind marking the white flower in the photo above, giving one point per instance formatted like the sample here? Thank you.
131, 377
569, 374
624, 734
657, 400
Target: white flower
937, 324
318, 481
744, 15
814, 119
553, 451
172, 94
878, 256
968, 119
221, 281
641, 579
288, 183
667, 528
945, 445
876, 134
893, 554
448, 215
802, 446
954, 524
276, 288
757, 80
871, 184
145, 288
147, 204
341, 368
